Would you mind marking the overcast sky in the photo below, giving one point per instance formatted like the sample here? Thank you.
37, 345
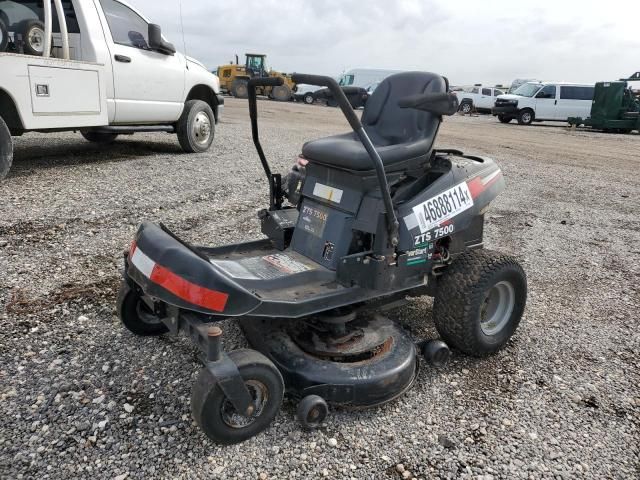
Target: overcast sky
469, 41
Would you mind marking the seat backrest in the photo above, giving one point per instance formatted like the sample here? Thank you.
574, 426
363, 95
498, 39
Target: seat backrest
387, 123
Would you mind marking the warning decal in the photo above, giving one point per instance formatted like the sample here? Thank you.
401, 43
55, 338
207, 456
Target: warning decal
328, 193
268, 267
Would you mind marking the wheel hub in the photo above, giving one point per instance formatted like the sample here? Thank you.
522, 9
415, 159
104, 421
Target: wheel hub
36, 40
145, 313
201, 128
260, 396
497, 308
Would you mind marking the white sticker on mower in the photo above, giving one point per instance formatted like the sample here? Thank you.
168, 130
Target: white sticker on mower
142, 262
442, 207
329, 193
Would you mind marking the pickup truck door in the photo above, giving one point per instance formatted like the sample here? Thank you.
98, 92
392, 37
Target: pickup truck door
148, 85
485, 100
496, 92
546, 103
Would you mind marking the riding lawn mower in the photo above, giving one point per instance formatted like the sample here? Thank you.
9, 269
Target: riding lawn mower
364, 222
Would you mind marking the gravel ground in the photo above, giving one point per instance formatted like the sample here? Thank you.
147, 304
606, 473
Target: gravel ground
80, 397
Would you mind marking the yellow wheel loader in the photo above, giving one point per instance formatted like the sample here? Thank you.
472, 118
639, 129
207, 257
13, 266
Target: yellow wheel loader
234, 78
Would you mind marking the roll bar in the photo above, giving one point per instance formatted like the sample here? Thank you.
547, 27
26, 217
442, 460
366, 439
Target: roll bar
48, 28
275, 180
356, 125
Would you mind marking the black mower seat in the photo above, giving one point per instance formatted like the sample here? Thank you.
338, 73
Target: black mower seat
399, 134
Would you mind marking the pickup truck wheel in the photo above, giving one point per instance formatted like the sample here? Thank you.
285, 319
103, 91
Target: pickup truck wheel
525, 116
4, 36
308, 98
33, 33
239, 88
196, 127
6, 149
466, 107
98, 137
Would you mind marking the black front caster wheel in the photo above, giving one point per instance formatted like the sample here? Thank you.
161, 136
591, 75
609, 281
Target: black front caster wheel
436, 352
311, 411
216, 416
136, 315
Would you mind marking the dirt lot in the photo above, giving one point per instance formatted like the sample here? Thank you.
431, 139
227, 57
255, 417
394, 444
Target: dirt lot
561, 401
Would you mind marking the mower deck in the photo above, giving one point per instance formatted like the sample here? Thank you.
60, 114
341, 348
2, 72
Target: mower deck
370, 362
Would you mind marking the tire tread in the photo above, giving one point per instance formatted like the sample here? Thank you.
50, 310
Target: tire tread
460, 290
6, 149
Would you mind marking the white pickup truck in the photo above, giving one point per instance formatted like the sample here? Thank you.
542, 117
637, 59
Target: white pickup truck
98, 67
478, 98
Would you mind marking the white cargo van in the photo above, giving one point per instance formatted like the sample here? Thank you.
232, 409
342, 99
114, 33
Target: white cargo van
554, 101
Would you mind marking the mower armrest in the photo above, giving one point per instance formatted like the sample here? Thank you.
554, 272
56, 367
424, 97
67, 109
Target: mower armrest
436, 103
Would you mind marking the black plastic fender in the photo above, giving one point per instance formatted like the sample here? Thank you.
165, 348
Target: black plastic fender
476, 177
169, 270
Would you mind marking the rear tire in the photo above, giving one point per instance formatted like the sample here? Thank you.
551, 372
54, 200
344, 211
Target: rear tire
504, 119
479, 302
215, 415
33, 33
309, 99
239, 88
196, 127
525, 116
6, 149
281, 93
99, 137
4, 35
